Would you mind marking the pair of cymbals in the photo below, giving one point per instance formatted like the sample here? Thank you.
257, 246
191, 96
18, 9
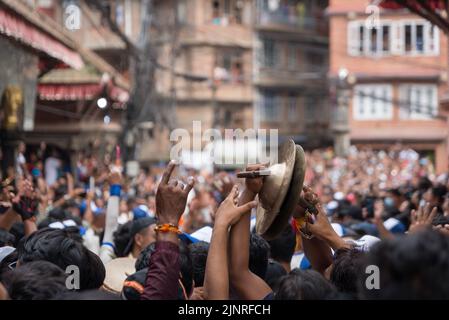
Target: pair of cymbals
280, 193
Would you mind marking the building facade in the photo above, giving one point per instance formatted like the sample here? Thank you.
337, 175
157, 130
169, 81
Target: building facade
394, 66
291, 64
249, 63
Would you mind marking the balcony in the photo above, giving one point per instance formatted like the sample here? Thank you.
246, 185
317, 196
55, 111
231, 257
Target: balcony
286, 19
280, 77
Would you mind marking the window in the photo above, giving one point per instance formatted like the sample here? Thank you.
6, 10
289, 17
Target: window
419, 38
311, 103
373, 102
270, 53
369, 42
315, 61
292, 108
418, 101
270, 107
182, 12
292, 55
400, 37
225, 12
229, 66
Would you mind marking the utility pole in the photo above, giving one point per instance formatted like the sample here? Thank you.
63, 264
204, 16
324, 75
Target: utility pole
340, 123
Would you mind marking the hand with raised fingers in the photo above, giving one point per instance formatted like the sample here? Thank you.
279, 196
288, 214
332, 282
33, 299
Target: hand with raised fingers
229, 212
25, 203
422, 218
171, 197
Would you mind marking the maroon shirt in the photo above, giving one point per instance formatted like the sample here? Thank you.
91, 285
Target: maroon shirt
163, 273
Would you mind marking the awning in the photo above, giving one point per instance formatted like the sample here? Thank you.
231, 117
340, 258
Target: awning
14, 26
73, 92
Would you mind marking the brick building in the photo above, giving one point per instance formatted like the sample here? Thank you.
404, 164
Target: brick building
263, 63
396, 73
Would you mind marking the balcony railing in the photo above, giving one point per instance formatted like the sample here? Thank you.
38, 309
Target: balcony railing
284, 18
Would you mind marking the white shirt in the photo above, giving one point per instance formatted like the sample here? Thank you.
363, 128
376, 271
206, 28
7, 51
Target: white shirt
51, 170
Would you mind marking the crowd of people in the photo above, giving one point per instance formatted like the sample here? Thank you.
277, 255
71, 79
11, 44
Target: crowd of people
87, 231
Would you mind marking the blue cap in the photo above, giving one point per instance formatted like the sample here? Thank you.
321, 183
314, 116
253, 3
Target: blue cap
139, 213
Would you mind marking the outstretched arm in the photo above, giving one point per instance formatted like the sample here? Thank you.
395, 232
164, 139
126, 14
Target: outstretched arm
164, 266
248, 285
217, 288
112, 213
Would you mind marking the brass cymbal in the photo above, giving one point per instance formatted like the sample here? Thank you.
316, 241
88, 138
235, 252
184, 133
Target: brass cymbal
292, 197
275, 187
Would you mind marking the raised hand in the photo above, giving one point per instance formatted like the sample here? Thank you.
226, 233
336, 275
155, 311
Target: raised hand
171, 197
25, 203
228, 213
422, 218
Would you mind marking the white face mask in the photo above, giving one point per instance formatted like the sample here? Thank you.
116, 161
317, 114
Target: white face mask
422, 203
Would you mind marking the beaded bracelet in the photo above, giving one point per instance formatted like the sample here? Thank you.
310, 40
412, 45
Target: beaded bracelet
167, 227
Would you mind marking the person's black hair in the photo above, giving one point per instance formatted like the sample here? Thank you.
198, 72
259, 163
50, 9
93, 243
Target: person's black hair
346, 270
64, 248
395, 191
94, 294
198, 252
275, 271
37, 280
440, 220
6, 238
283, 246
304, 285
143, 260
424, 184
18, 231
122, 237
259, 251
410, 267
439, 192
186, 268
58, 213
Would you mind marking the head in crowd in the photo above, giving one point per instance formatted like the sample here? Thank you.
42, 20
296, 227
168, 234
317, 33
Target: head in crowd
283, 246
6, 238
122, 237
60, 247
393, 201
198, 253
304, 285
275, 271
346, 270
411, 267
37, 280
87, 295
141, 235
435, 196
259, 251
